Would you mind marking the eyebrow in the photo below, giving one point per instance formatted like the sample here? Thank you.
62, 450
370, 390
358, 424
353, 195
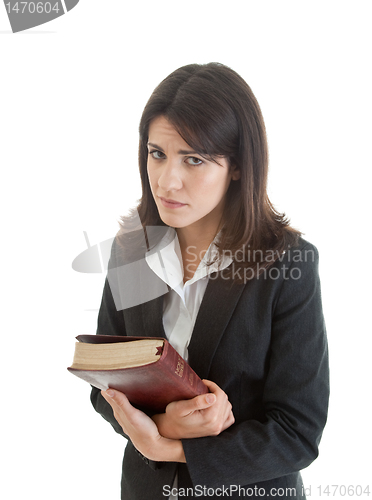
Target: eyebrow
180, 152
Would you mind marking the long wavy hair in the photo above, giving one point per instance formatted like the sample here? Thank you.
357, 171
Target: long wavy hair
214, 110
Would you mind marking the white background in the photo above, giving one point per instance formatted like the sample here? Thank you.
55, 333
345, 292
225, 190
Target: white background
71, 93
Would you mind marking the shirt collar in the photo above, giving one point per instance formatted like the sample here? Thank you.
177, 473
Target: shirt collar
165, 260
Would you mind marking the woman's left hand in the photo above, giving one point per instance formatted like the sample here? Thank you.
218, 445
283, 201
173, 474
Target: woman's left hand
143, 431
204, 415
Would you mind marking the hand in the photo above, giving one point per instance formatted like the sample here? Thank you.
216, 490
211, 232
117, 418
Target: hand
142, 431
205, 415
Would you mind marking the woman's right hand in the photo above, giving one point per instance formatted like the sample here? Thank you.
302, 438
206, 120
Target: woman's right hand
205, 415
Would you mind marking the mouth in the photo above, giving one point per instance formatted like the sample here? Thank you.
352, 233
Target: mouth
171, 203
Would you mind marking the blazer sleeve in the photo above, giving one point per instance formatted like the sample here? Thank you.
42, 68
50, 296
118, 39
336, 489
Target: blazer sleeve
295, 395
111, 322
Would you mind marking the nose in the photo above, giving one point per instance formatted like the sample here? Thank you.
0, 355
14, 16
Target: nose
170, 177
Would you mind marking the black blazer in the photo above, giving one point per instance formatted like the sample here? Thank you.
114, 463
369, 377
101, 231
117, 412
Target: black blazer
264, 343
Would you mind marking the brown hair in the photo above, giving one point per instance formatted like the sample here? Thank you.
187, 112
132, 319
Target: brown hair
214, 110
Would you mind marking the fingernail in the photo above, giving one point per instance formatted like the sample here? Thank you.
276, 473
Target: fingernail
210, 398
110, 393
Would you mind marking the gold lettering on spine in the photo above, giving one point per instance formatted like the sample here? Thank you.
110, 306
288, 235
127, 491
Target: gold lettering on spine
180, 366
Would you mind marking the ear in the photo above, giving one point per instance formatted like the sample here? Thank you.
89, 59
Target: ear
235, 173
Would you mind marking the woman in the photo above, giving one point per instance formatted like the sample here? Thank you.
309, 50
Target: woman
235, 290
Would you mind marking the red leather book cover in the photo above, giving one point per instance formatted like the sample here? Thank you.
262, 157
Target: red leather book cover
151, 386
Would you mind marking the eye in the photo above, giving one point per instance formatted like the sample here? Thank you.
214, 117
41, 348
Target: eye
156, 154
193, 158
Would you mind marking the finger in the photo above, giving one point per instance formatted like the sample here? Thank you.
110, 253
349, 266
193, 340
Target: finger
215, 389
228, 410
125, 414
222, 398
115, 409
118, 398
110, 400
124, 410
187, 406
212, 386
118, 402
229, 421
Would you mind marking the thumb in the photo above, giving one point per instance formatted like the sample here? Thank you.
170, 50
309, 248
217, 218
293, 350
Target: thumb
117, 397
187, 406
210, 398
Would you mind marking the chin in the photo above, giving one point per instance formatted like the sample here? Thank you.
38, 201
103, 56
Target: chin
173, 220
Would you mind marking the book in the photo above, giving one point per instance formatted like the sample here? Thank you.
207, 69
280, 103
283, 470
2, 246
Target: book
148, 370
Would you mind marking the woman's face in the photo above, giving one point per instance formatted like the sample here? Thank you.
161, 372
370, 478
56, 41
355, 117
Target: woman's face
188, 190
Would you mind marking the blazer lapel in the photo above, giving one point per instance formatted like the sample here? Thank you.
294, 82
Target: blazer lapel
152, 310
152, 316
218, 304
216, 309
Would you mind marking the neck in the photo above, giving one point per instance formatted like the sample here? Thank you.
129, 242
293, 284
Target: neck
194, 242
195, 237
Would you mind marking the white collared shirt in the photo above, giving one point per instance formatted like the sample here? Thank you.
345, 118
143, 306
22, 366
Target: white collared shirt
181, 305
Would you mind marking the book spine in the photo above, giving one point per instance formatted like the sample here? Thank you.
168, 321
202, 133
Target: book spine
181, 371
